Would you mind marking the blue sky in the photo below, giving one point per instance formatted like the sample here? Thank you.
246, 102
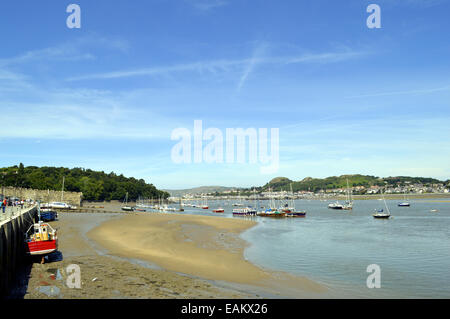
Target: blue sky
346, 99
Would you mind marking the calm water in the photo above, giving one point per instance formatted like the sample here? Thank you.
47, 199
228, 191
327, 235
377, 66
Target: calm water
335, 247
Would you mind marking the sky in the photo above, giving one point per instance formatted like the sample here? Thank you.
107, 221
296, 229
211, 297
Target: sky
345, 98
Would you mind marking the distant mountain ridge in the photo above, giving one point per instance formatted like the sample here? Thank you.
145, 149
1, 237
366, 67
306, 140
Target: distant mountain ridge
314, 184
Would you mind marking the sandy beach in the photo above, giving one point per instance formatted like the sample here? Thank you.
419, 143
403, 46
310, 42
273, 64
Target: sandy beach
153, 255
203, 246
104, 276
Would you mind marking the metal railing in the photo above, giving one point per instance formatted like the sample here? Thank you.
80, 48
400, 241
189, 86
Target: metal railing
11, 211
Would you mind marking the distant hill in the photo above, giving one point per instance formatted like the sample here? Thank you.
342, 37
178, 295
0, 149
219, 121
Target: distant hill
312, 184
198, 190
333, 182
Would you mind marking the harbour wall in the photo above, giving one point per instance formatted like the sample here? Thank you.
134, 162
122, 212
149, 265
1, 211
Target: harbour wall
44, 196
13, 226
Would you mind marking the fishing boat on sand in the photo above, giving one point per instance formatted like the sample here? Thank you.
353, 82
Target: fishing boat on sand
41, 239
48, 215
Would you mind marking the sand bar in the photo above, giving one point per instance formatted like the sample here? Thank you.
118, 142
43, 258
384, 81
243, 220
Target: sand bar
202, 246
104, 276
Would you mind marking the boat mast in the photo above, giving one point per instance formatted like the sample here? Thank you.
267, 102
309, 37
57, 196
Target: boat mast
62, 190
348, 194
387, 208
292, 199
39, 211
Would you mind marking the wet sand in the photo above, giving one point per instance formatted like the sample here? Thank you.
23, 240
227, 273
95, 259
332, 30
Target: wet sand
142, 255
201, 246
104, 276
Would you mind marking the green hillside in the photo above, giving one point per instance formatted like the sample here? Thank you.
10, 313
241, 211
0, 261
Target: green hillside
333, 182
93, 184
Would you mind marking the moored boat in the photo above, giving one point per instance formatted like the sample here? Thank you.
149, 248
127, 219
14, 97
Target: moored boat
380, 214
296, 214
219, 210
125, 206
336, 205
40, 239
48, 215
272, 213
246, 211
404, 204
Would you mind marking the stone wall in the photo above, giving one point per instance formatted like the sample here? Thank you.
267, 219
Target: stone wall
12, 247
44, 195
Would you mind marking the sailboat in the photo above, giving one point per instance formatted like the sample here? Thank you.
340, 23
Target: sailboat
380, 214
205, 203
219, 210
240, 200
349, 203
272, 211
405, 203
292, 212
125, 207
336, 205
41, 239
181, 205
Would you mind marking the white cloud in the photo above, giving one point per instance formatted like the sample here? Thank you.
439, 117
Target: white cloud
257, 56
225, 65
81, 114
207, 5
409, 92
67, 51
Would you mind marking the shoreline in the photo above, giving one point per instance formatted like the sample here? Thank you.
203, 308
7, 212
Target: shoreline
105, 276
112, 272
420, 197
206, 247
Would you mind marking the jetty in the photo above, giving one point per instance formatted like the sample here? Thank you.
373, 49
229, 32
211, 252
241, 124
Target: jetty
13, 225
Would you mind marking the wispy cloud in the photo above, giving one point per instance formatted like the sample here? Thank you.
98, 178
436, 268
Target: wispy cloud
207, 5
409, 92
80, 114
258, 56
68, 51
225, 65
416, 3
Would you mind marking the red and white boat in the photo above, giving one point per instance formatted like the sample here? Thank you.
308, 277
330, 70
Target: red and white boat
41, 239
205, 204
219, 210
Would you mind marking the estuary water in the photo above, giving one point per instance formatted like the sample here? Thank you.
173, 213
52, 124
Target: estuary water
335, 247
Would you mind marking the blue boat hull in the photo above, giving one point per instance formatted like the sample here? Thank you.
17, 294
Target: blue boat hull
48, 216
